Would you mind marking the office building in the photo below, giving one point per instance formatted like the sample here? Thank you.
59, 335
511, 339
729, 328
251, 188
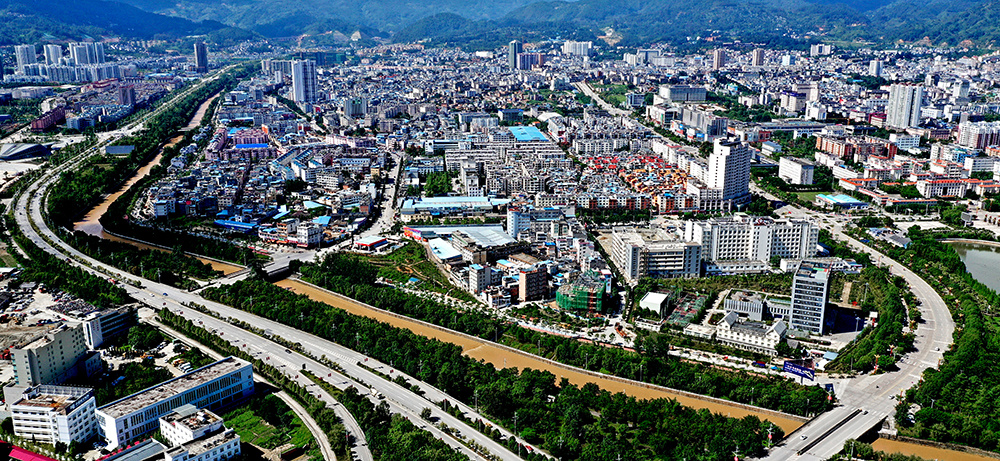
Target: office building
25, 55
304, 85
757, 59
718, 59
903, 110
577, 48
200, 57
514, 48
53, 414
53, 358
796, 170
788, 60
742, 237
875, 68
213, 386
729, 170
53, 54
820, 49
103, 325
810, 288
642, 253
197, 435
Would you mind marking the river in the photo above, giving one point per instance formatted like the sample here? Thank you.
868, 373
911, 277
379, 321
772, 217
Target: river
981, 258
91, 222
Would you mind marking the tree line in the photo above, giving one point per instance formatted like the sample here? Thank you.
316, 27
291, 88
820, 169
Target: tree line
568, 421
353, 277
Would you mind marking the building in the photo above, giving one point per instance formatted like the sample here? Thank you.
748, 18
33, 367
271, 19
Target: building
749, 335
304, 85
586, 293
904, 141
577, 48
197, 435
482, 277
979, 135
25, 55
514, 48
106, 324
126, 95
55, 414
903, 110
875, 68
83, 54
757, 59
684, 93
54, 357
53, 54
810, 289
942, 187
729, 170
742, 237
642, 253
213, 386
656, 302
796, 170
528, 61
200, 57
718, 59
533, 284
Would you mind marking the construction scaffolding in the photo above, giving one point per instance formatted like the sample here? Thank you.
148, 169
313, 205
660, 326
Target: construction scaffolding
586, 293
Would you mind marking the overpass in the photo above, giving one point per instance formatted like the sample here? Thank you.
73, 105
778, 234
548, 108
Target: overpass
824, 436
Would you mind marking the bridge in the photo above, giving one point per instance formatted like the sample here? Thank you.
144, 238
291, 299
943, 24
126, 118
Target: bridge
824, 436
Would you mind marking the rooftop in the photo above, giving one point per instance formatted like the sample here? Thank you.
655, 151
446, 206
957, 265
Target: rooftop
527, 133
170, 388
191, 417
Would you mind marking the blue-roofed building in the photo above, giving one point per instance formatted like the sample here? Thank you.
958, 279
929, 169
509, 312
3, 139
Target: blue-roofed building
840, 201
527, 134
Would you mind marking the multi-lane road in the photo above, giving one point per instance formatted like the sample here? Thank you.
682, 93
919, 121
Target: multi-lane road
29, 214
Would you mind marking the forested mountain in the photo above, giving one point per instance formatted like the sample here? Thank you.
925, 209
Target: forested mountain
27, 21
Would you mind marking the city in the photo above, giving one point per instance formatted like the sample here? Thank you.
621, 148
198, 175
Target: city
228, 246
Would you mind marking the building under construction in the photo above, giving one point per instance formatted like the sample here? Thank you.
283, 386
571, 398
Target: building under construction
586, 293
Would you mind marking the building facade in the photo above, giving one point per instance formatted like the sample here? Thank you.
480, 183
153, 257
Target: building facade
810, 289
55, 414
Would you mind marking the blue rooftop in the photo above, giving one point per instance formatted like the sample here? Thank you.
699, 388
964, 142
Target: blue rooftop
527, 133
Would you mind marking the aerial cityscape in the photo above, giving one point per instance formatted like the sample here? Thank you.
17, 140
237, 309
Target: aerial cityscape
596, 230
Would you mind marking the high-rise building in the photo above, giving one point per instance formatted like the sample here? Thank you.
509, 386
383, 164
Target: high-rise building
820, 49
788, 60
514, 48
200, 57
577, 48
52, 358
903, 110
126, 95
304, 86
640, 253
25, 55
729, 169
718, 59
527, 61
757, 59
810, 287
53, 53
875, 68
86, 53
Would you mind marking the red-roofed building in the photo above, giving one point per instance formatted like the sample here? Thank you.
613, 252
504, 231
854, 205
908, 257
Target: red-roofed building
13, 452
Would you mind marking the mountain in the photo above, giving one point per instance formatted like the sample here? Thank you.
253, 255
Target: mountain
284, 18
27, 21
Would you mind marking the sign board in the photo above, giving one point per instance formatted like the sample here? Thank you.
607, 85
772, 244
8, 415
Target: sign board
829, 388
799, 370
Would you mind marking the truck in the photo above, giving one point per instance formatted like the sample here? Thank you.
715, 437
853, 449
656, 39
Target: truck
375, 393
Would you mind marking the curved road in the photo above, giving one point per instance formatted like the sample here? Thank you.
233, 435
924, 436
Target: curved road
409, 404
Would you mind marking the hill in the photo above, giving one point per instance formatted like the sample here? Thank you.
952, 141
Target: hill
28, 21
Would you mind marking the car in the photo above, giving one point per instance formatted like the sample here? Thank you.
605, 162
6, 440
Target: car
803, 437
288, 351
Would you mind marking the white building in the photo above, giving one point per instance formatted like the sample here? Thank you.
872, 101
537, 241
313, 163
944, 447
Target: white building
577, 48
54, 357
796, 170
729, 170
810, 289
904, 141
743, 237
749, 335
211, 386
25, 55
198, 435
903, 110
309, 235
642, 253
51, 414
304, 85
53, 54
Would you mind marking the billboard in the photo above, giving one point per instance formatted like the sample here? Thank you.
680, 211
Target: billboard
799, 370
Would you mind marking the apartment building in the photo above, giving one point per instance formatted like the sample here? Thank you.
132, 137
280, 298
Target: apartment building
642, 253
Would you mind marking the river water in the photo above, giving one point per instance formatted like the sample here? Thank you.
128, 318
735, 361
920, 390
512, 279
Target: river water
91, 223
981, 259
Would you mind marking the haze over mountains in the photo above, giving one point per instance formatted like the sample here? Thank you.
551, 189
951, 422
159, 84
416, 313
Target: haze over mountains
486, 23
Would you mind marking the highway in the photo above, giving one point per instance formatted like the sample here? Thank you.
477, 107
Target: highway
589, 91
29, 206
